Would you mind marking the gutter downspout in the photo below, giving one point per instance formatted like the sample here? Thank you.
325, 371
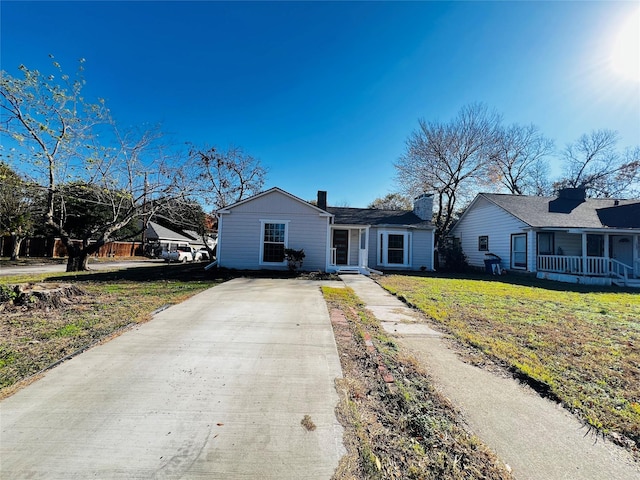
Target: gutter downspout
218, 247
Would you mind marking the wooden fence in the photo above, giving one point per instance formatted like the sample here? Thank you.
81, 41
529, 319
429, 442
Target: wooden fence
53, 247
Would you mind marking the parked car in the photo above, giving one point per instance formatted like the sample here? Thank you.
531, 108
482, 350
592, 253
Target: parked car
180, 254
201, 255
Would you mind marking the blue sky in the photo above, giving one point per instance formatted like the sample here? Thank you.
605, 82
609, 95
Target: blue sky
325, 93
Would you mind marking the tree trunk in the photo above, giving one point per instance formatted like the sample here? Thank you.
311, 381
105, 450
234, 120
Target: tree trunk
15, 251
79, 255
77, 261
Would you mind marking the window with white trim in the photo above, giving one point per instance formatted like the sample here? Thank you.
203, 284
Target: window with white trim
394, 248
273, 241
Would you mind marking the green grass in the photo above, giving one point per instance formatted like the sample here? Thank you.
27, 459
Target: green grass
581, 345
34, 338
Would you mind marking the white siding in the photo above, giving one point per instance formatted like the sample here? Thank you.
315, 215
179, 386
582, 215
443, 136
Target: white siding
570, 243
486, 218
421, 248
239, 237
354, 247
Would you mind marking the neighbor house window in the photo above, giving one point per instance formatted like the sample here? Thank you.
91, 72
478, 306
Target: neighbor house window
519, 251
273, 241
394, 249
546, 243
483, 243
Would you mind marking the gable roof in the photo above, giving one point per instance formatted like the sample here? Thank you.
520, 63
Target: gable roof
373, 216
267, 192
567, 212
157, 231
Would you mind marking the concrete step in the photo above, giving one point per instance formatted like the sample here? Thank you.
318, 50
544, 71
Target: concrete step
633, 283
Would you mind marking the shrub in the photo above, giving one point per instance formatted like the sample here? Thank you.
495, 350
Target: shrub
294, 258
453, 257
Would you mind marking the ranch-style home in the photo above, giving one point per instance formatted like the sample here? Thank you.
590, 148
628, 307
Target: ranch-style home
253, 234
568, 238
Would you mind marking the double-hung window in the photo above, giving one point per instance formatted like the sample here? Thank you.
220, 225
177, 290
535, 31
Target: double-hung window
273, 241
394, 248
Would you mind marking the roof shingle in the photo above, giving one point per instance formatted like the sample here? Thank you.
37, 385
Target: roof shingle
374, 216
569, 213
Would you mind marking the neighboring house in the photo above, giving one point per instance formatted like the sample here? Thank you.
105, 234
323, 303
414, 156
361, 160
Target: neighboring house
162, 238
197, 240
567, 238
253, 234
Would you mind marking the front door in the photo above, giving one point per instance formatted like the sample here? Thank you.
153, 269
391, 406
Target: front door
621, 248
341, 244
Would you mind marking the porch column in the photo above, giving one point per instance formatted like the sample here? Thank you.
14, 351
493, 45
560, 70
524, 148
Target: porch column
584, 253
606, 253
636, 255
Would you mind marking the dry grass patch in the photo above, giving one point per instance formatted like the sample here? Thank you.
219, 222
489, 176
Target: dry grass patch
402, 430
34, 336
579, 346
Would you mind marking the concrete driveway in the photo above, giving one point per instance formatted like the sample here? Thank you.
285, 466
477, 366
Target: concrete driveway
214, 388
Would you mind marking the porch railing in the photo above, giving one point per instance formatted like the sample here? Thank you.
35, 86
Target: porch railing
594, 266
559, 264
620, 270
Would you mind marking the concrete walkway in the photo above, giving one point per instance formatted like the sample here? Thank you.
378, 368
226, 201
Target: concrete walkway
537, 438
214, 388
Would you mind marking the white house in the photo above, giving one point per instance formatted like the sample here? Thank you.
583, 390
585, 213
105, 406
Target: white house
253, 234
568, 238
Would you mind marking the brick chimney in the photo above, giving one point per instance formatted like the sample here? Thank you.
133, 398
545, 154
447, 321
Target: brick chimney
423, 206
322, 199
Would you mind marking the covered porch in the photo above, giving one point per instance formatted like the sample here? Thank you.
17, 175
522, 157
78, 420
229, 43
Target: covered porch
349, 249
589, 256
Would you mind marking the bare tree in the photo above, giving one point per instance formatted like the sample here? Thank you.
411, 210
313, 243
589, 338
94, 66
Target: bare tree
391, 201
226, 176
223, 177
520, 160
594, 162
71, 149
452, 160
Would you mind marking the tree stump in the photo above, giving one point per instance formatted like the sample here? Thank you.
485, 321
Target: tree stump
43, 295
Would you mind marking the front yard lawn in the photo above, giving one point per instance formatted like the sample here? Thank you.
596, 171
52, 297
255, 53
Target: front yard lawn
580, 345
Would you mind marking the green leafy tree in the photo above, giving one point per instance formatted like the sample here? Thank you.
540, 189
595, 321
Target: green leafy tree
58, 138
19, 208
83, 209
391, 201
